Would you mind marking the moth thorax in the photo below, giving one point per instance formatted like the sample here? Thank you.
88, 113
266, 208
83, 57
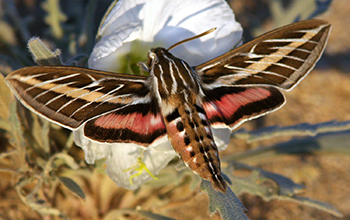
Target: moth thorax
172, 77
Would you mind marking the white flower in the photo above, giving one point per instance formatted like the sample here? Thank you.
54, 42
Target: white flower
133, 27
130, 29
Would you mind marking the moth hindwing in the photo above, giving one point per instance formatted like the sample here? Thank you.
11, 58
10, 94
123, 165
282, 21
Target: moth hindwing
176, 100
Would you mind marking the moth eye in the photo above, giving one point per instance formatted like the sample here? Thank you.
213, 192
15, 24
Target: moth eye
149, 60
152, 57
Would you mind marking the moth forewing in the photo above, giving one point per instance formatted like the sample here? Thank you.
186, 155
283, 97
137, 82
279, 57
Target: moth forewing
70, 96
236, 83
279, 58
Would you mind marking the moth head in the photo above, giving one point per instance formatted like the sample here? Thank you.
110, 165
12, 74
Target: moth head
154, 54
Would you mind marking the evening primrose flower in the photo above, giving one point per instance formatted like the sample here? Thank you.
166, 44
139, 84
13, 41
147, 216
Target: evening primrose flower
127, 32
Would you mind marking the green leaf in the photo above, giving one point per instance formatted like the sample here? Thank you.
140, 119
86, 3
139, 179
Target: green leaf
227, 204
72, 186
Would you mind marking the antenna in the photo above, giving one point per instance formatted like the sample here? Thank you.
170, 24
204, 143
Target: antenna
192, 38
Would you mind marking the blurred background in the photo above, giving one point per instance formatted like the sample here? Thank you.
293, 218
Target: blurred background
44, 176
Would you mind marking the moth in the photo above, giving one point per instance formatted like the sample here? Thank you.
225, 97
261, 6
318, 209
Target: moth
176, 100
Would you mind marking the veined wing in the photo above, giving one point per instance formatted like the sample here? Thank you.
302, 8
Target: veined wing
245, 82
111, 105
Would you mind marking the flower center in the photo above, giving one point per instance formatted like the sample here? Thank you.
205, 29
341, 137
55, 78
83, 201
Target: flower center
129, 61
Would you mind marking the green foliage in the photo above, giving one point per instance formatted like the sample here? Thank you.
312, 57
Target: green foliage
227, 204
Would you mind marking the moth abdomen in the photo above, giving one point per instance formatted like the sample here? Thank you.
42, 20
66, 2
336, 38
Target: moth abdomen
193, 142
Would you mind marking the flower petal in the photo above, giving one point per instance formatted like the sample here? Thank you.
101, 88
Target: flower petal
93, 150
163, 23
105, 49
123, 156
221, 137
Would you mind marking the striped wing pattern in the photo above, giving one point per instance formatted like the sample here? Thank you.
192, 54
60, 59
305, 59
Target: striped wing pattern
276, 60
71, 96
176, 100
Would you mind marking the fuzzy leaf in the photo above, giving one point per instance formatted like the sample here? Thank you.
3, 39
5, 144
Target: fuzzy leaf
286, 186
227, 204
299, 130
257, 183
332, 142
319, 205
42, 54
283, 189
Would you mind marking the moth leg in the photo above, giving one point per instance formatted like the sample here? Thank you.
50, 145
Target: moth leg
143, 67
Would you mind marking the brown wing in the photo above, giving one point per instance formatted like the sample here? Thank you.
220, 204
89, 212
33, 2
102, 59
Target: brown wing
109, 105
278, 58
245, 82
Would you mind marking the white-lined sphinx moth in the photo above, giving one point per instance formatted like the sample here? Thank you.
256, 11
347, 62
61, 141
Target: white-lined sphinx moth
175, 99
